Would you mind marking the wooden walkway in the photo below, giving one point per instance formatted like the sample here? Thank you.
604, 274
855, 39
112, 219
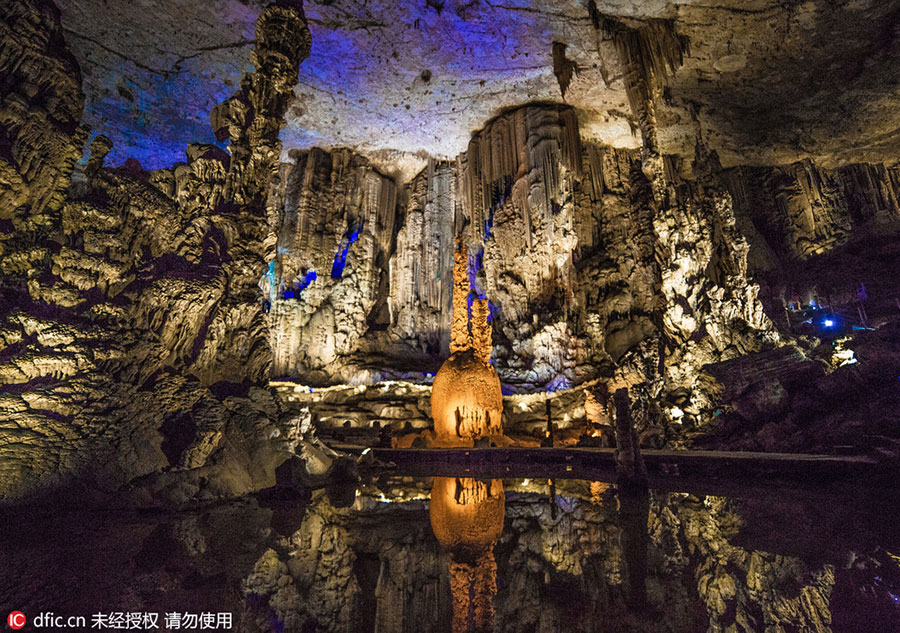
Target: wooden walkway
667, 469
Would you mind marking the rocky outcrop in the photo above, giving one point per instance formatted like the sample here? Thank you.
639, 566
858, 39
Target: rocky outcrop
802, 210
40, 119
133, 340
328, 281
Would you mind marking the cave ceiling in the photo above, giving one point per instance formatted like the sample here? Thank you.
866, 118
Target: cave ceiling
765, 81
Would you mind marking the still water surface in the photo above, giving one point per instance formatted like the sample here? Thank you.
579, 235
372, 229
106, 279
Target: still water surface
423, 554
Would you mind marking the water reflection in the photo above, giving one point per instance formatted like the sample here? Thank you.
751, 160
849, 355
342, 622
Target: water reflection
467, 519
634, 512
423, 555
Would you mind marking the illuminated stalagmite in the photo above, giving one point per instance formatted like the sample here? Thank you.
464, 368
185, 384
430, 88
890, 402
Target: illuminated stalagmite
467, 519
466, 401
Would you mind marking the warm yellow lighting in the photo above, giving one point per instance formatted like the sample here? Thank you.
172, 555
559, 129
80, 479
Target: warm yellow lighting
466, 401
467, 519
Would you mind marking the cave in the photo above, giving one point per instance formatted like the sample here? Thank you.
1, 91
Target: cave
450, 316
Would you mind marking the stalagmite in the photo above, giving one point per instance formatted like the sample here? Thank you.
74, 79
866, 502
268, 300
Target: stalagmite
481, 330
631, 472
460, 338
466, 401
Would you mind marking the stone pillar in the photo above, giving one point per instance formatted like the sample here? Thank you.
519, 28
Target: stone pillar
459, 330
630, 467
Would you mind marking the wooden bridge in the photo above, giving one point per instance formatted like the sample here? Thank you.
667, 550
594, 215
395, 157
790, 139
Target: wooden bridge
710, 472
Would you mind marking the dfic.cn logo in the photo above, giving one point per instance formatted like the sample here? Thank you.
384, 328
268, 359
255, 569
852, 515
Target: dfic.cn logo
16, 620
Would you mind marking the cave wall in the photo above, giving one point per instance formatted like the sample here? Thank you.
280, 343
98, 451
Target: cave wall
133, 340
563, 240
802, 209
329, 278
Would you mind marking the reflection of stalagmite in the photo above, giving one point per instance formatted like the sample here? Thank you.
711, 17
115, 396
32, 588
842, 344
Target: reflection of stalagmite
634, 511
467, 519
466, 401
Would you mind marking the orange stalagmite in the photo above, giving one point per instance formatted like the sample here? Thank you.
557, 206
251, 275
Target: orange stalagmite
459, 329
466, 402
481, 330
467, 519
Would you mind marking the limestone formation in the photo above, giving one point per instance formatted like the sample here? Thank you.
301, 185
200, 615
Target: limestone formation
143, 312
455, 224
649, 53
133, 338
327, 283
466, 401
801, 209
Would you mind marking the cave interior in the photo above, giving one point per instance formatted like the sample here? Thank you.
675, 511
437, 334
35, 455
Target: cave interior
450, 315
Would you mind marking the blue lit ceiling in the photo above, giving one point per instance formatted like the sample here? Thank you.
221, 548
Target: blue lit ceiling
382, 75
418, 76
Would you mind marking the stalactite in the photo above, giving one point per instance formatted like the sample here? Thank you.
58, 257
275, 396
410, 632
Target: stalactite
148, 274
422, 265
649, 54
803, 209
338, 230
514, 144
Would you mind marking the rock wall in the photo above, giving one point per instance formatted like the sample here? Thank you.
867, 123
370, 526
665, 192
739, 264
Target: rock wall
628, 266
802, 210
420, 292
328, 281
586, 273
132, 339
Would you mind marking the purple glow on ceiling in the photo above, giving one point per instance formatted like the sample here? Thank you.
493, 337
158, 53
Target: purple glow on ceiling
380, 73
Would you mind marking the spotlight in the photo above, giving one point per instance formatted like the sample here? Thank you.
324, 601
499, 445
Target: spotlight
829, 322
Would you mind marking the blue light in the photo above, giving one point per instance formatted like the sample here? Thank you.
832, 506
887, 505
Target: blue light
340, 259
828, 322
294, 292
308, 278
559, 383
493, 312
